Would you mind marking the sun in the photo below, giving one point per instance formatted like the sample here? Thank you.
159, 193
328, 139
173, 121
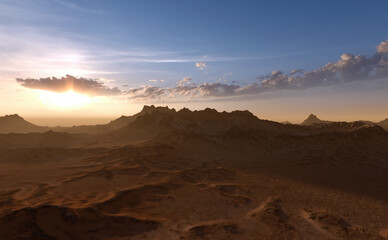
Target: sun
68, 99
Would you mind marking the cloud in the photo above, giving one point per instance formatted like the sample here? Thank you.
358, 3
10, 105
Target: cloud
217, 89
200, 65
383, 47
224, 77
296, 71
184, 81
349, 68
185, 87
145, 93
81, 85
156, 80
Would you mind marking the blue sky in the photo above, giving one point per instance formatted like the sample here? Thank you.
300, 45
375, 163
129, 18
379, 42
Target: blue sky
132, 44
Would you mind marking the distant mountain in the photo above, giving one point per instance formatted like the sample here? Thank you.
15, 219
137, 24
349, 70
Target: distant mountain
162, 125
16, 124
321, 125
185, 117
384, 124
312, 119
153, 120
169, 125
207, 121
164, 122
238, 129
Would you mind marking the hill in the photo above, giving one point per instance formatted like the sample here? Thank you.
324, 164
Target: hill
16, 124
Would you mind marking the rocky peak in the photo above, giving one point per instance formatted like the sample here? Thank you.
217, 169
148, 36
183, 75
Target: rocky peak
312, 119
150, 109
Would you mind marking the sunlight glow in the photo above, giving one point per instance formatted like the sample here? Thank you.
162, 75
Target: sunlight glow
68, 99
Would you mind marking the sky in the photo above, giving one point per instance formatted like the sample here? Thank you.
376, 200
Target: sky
89, 61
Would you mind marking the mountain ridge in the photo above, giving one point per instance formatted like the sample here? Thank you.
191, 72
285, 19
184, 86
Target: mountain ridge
16, 124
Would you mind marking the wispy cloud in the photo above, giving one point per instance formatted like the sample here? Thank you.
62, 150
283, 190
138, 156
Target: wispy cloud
200, 65
156, 80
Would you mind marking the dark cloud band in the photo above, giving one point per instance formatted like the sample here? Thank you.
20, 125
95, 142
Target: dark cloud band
81, 85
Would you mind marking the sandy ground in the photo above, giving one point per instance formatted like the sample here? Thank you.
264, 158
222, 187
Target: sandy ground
159, 192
